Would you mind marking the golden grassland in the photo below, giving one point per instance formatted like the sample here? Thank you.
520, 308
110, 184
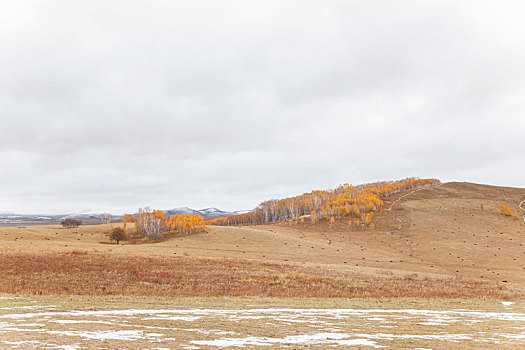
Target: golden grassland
119, 302
448, 246
106, 274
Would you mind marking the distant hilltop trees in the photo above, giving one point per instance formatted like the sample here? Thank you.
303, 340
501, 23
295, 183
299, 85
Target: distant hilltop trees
71, 223
152, 223
506, 210
353, 203
105, 218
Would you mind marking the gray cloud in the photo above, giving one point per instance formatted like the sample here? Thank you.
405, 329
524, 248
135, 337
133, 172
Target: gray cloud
115, 105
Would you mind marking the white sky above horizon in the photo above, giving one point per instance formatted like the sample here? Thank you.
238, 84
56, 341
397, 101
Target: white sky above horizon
111, 106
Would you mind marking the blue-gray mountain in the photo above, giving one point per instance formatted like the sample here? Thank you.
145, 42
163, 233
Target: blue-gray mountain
12, 218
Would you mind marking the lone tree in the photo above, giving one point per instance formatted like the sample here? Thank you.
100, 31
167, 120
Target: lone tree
117, 234
71, 223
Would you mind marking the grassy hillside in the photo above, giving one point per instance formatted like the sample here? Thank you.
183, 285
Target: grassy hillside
434, 241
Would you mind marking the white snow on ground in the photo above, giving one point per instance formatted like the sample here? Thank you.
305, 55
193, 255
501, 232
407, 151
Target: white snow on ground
355, 342
447, 337
209, 331
326, 323
256, 313
22, 342
514, 336
107, 335
432, 323
80, 321
35, 344
174, 318
320, 338
25, 307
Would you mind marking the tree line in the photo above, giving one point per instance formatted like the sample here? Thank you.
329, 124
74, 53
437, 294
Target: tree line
353, 203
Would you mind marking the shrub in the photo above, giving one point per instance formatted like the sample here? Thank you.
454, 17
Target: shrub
117, 234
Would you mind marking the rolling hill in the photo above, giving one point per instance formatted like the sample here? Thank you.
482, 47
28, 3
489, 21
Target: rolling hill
453, 232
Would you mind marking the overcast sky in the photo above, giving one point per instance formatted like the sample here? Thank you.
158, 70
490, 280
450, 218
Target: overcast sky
112, 105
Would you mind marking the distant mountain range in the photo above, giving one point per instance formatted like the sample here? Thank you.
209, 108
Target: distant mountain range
12, 218
206, 212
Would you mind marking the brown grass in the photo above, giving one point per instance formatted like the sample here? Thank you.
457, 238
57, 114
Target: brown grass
455, 249
77, 272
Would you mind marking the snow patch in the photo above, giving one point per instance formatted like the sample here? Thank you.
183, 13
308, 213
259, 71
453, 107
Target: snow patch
107, 335
320, 338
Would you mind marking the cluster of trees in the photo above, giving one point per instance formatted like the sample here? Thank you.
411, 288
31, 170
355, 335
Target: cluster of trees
71, 223
153, 223
150, 223
186, 223
355, 203
105, 218
506, 210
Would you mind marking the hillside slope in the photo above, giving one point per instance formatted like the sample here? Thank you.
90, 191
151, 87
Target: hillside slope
444, 233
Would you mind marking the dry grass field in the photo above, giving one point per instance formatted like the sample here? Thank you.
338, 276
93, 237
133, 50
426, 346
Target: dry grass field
106, 274
432, 273
447, 247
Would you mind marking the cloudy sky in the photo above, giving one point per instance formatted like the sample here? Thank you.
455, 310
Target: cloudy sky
112, 105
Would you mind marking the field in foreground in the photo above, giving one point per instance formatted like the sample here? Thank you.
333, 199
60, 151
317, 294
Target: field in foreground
106, 274
211, 323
